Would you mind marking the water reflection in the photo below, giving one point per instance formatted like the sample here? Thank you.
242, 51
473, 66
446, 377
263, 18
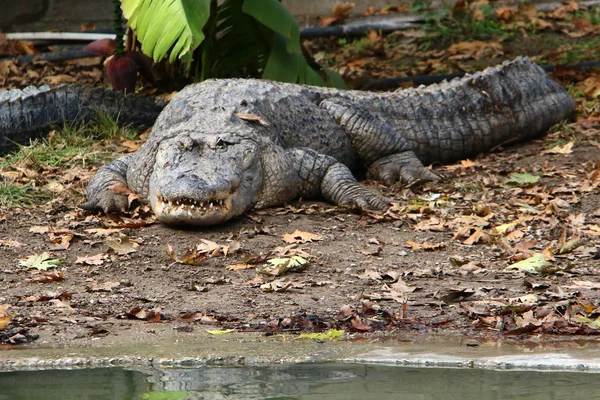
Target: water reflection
302, 382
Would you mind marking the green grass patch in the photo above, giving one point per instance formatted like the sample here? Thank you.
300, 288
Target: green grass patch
25, 196
447, 24
75, 144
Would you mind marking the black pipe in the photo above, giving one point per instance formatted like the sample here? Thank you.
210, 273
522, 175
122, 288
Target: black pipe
50, 56
355, 30
370, 84
395, 82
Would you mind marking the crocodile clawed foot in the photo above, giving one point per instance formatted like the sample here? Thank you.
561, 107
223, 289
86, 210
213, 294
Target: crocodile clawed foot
107, 201
368, 201
401, 167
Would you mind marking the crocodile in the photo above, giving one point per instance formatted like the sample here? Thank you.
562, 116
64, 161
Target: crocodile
30, 113
223, 147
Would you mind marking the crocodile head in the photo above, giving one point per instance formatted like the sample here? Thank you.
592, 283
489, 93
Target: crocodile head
204, 179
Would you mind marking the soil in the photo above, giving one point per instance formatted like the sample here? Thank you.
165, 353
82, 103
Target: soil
442, 259
363, 275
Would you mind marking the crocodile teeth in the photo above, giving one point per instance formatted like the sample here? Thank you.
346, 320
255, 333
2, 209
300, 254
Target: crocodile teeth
211, 204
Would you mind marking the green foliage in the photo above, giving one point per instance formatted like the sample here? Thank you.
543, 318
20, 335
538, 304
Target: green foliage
179, 30
13, 195
448, 23
233, 38
332, 334
72, 144
591, 14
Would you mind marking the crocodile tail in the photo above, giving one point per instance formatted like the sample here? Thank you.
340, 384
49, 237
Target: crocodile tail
30, 113
450, 121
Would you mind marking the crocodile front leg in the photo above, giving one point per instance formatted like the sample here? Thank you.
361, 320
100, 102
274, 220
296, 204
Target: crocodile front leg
386, 152
102, 194
323, 175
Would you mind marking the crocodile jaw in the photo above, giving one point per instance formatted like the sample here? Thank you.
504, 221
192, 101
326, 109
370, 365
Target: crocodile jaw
192, 211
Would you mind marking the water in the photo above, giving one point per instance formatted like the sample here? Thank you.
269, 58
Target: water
298, 381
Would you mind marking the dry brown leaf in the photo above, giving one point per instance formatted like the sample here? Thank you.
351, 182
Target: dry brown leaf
478, 236
301, 237
564, 149
55, 187
476, 50
251, 118
49, 276
39, 229
54, 80
342, 10
104, 287
120, 188
122, 245
97, 259
359, 325
11, 243
189, 257
103, 231
236, 267
60, 241
425, 245
505, 13
565, 10
279, 285
4, 319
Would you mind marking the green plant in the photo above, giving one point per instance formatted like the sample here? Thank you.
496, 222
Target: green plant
454, 20
245, 38
13, 195
72, 144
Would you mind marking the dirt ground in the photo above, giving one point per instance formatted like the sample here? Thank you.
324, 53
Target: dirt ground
507, 245
366, 272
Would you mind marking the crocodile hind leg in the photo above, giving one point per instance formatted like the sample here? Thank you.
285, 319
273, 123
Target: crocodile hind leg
107, 189
385, 151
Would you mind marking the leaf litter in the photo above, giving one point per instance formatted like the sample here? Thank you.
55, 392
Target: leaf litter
506, 247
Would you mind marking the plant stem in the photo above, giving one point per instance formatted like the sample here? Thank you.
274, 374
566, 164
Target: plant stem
119, 31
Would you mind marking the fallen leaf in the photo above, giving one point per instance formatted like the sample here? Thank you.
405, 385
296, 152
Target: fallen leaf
236, 267
359, 325
521, 179
104, 287
39, 229
103, 231
97, 259
50, 276
42, 261
4, 319
425, 245
280, 266
122, 245
252, 118
565, 149
592, 323
276, 286
332, 334
478, 236
220, 331
189, 257
534, 264
301, 237
11, 243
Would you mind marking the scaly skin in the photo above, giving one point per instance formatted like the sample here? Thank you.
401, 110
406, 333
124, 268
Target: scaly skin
30, 113
205, 162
